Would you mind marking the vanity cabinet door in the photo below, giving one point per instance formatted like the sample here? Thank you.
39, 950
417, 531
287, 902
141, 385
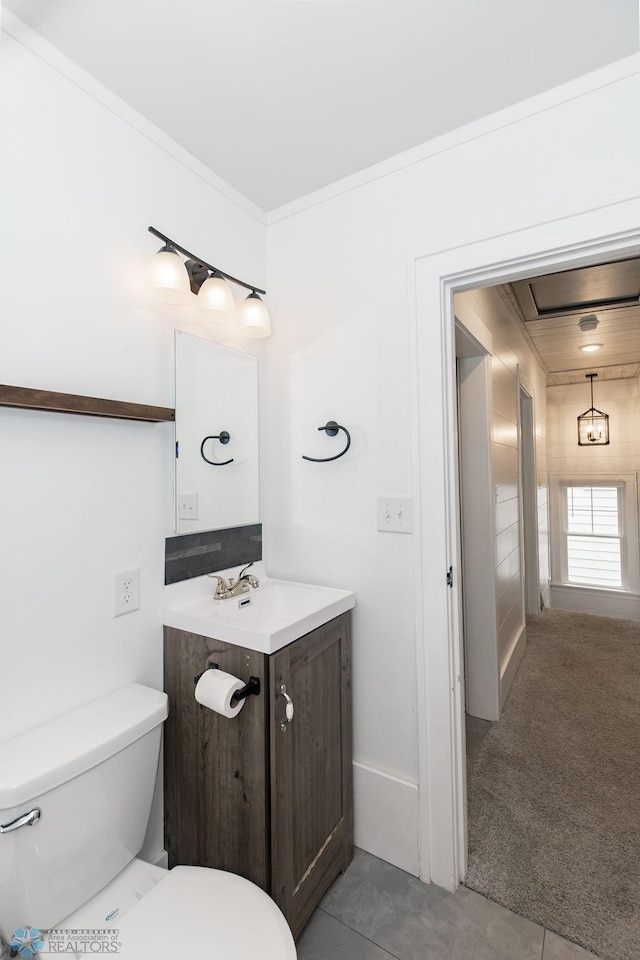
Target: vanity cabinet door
311, 772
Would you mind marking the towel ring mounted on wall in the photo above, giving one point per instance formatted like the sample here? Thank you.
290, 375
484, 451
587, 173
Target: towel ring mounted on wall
223, 437
331, 429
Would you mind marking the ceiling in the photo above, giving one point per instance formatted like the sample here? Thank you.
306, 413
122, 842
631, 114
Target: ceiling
550, 309
282, 97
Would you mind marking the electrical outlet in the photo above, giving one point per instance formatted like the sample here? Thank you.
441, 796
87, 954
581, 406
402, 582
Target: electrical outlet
394, 515
126, 591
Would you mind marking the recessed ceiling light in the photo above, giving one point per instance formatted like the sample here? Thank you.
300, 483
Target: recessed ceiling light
591, 347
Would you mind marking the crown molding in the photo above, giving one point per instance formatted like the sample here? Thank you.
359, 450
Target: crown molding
572, 90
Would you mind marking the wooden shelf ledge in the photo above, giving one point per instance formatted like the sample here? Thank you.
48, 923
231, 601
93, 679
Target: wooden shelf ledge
29, 399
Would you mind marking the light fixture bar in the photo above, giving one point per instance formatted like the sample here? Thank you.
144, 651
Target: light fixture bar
191, 256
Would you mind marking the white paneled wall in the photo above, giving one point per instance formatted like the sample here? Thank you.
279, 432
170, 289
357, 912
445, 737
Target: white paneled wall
511, 358
543, 532
621, 400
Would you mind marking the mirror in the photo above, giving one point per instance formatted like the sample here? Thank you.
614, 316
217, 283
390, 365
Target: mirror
217, 483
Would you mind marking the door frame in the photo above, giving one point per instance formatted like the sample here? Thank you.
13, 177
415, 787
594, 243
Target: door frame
527, 494
580, 237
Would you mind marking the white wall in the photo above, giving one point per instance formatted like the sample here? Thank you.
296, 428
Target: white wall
83, 497
512, 360
621, 400
340, 271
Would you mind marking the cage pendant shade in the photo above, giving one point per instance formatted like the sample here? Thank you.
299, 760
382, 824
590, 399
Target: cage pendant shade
253, 317
167, 279
593, 424
215, 299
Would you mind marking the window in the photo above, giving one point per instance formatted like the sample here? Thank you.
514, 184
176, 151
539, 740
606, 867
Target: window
594, 536
593, 533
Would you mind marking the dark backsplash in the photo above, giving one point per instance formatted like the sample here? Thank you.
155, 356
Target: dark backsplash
194, 554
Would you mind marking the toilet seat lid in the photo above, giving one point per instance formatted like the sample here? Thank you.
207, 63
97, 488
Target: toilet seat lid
198, 911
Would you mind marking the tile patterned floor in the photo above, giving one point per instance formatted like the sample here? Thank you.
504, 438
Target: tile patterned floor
375, 911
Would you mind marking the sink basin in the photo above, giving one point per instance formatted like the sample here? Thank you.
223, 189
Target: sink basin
279, 611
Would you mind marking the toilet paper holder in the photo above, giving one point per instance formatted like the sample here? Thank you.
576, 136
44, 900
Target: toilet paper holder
252, 687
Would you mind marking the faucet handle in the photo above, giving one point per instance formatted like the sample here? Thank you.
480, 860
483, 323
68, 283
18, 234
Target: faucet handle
222, 587
244, 570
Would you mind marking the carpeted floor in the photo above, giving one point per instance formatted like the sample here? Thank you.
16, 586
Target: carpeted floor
554, 791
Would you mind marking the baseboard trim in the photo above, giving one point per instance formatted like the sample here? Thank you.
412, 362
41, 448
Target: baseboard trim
511, 661
386, 817
545, 593
604, 603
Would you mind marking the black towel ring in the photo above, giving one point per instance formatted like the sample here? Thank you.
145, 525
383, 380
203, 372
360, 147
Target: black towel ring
223, 437
331, 429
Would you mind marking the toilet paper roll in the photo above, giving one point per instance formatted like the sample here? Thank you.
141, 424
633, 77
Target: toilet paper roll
214, 690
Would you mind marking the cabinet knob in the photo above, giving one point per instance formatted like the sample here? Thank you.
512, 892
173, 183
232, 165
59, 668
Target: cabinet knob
288, 708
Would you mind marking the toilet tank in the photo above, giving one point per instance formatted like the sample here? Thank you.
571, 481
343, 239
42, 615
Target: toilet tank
91, 773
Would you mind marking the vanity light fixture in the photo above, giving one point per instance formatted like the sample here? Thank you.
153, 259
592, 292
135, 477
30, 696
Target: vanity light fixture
170, 278
593, 425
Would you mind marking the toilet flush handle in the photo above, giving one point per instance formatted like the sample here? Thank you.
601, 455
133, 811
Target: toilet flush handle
26, 820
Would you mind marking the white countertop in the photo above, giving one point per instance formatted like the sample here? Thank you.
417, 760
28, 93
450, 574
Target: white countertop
279, 611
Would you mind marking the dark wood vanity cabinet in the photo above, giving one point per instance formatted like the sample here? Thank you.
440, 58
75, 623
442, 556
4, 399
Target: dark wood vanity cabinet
264, 797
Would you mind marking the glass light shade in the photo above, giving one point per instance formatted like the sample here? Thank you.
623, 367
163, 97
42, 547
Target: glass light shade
215, 298
167, 278
253, 317
591, 347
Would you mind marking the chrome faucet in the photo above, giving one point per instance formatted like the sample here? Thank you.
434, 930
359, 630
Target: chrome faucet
234, 588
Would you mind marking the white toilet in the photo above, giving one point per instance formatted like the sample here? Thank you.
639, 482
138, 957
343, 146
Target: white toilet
75, 797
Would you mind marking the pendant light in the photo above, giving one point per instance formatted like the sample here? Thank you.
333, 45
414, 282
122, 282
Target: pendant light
253, 317
593, 425
167, 279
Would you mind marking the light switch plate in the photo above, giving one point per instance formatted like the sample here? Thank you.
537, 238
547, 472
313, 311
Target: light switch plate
394, 515
188, 506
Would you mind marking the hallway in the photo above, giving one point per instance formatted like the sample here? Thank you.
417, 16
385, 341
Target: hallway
554, 787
